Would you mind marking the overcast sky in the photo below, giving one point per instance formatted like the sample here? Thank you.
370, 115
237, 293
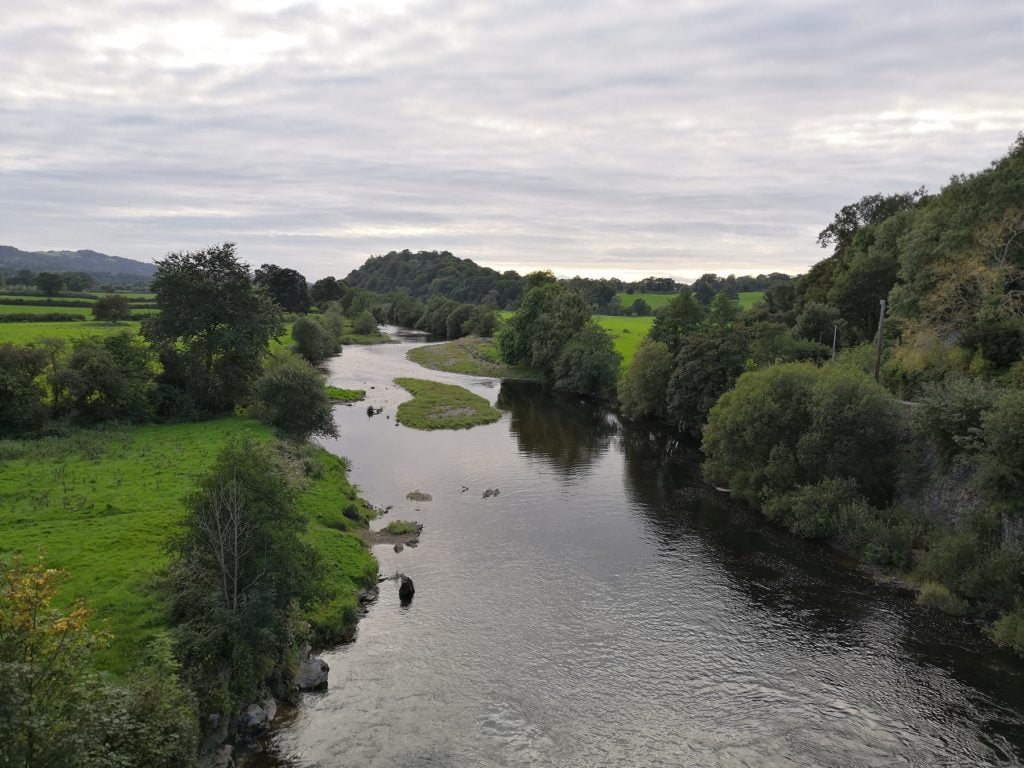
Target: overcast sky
601, 138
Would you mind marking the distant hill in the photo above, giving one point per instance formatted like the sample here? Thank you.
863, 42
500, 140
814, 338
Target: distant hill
427, 273
99, 265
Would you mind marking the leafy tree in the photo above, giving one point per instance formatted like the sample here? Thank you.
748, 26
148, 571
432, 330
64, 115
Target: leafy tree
240, 569
483, 321
706, 366
286, 287
871, 209
640, 308
794, 424
457, 319
588, 364
1002, 431
327, 289
22, 406
79, 281
23, 277
817, 322
112, 308
548, 317
364, 323
292, 398
725, 309
108, 378
679, 316
41, 650
313, 340
50, 283
642, 388
214, 325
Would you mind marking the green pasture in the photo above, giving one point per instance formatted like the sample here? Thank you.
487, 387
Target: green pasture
750, 298
27, 333
102, 505
654, 300
626, 333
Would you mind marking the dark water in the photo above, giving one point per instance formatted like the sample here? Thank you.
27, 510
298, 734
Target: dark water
606, 609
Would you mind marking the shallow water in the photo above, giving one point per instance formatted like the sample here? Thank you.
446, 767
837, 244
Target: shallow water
607, 609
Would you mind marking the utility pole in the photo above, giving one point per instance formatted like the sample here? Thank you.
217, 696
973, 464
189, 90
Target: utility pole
835, 335
881, 328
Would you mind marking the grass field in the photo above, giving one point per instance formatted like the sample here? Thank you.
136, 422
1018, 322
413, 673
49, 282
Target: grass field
339, 395
28, 309
443, 406
749, 298
626, 333
26, 333
654, 300
470, 355
102, 504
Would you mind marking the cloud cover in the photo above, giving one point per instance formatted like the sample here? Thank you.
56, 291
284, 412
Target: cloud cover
598, 138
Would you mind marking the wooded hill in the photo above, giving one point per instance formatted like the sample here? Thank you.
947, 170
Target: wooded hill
101, 266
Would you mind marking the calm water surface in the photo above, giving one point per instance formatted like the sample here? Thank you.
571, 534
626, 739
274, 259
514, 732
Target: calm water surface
606, 609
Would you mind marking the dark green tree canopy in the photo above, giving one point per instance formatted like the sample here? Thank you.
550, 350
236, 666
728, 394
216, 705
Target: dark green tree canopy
214, 325
286, 287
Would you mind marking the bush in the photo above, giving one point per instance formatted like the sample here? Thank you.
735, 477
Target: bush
935, 595
291, 397
707, 364
794, 424
1008, 630
950, 412
46, 317
814, 511
22, 399
107, 378
1002, 430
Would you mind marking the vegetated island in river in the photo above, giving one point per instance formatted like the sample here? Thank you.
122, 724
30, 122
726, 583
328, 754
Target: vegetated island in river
443, 406
471, 355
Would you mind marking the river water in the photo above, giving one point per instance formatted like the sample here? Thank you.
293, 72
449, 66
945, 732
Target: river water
607, 609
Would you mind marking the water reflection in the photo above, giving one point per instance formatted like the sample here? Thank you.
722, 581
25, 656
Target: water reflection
568, 432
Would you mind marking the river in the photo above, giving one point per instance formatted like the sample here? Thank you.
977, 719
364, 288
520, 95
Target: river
608, 609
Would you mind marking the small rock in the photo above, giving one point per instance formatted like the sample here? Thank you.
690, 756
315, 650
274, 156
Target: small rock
313, 675
496, 491
488, 493
412, 543
270, 707
255, 720
367, 595
406, 589
399, 547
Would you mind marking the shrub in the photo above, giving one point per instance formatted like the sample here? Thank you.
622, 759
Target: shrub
935, 595
1008, 629
950, 412
291, 397
312, 340
814, 511
588, 364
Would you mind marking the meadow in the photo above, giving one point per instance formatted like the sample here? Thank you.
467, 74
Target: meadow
749, 298
103, 504
626, 333
654, 300
27, 333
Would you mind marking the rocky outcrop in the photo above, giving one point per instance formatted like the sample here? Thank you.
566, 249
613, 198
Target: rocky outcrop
312, 675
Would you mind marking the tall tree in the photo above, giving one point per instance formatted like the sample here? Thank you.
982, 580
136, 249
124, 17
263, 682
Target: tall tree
214, 325
50, 283
286, 287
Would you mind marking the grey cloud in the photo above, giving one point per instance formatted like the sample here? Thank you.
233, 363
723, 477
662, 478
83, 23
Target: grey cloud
664, 137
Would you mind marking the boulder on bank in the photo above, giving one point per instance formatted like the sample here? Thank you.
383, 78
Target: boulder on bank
224, 757
255, 721
406, 589
312, 675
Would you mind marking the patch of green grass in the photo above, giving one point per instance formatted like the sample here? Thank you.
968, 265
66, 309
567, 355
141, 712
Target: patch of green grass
402, 527
32, 309
750, 298
470, 355
27, 333
654, 300
443, 406
102, 504
339, 395
626, 333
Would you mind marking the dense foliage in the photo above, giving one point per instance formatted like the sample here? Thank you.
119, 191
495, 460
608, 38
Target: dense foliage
213, 328
291, 397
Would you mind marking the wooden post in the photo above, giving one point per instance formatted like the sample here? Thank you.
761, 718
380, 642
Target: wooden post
881, 328
835, 335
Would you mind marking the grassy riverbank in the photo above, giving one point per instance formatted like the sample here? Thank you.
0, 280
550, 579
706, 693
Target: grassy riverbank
443, 406
471, 355
351, 337
103, 504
